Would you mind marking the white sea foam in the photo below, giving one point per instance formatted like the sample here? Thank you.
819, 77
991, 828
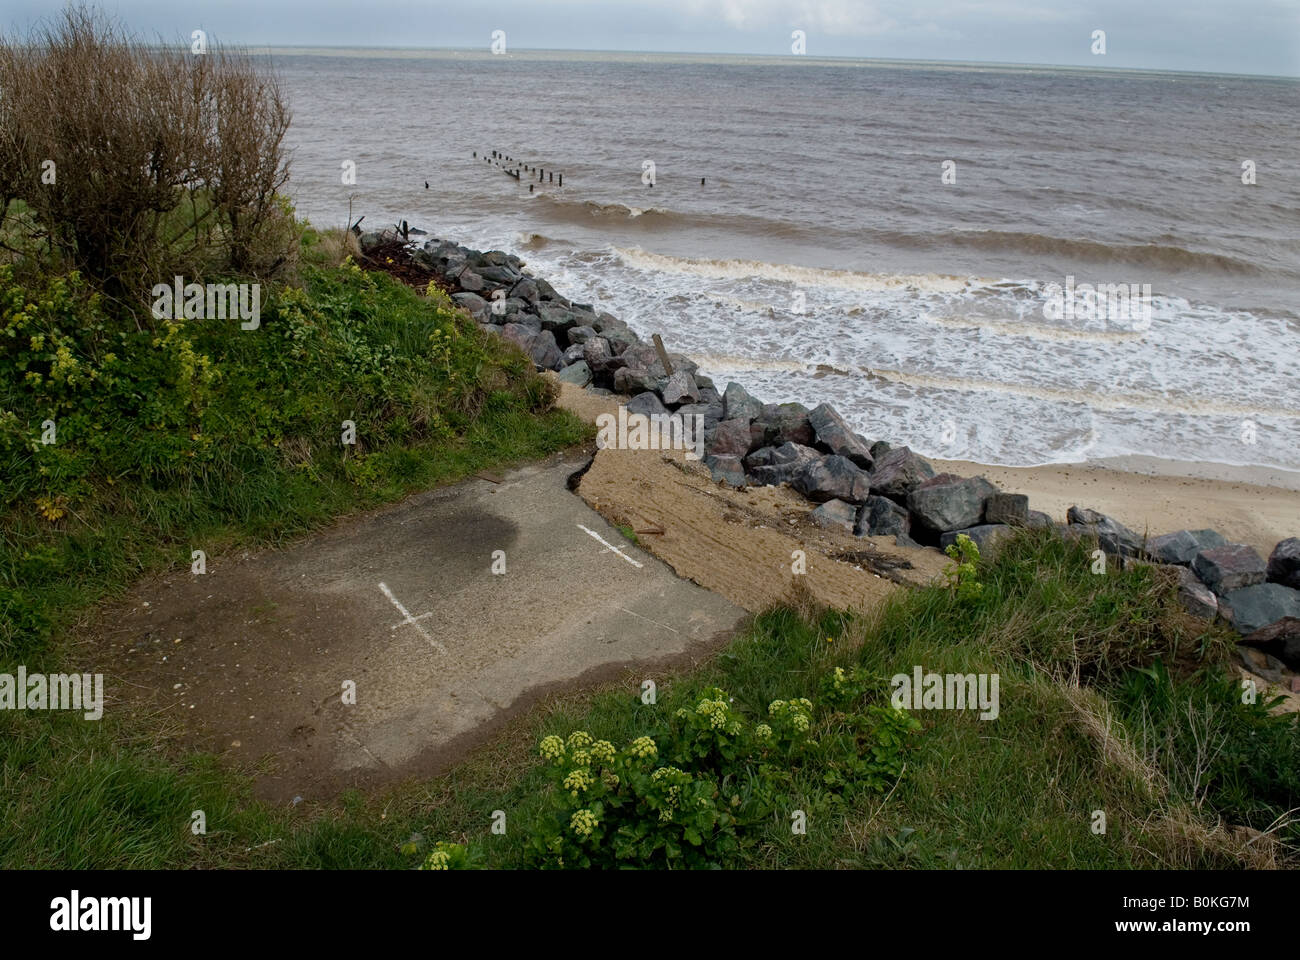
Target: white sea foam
965, 368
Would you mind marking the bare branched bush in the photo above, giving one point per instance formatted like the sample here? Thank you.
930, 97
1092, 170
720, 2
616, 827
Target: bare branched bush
135, 162
247, 163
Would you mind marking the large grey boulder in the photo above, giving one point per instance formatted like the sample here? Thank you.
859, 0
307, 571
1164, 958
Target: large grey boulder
509, 310
519, 334
470, 280
1229, 567
526, 289
1280, 639
576, 373
739, 405
711, 412
1250, 608
708, 393
1284, 563
882, 517
635, 379
646, 404
580, 335
785, 453
607, 321
436, 249
987, 537
555, 317
529, 320
1011, 509
897, 471
373, 238
769, 466
1112, 536
948, 502
545, 352
473, 303
835, 515
783, 423
1183, 546
1195, 597
726, 469
643, 369
832, 478
620, 339
730, 438
581, 317
679, 389
547, 292
498, 275
834, 434
600, 357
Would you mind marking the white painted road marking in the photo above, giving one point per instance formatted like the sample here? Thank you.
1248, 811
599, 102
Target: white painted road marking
610, 546
413, 621
649, 620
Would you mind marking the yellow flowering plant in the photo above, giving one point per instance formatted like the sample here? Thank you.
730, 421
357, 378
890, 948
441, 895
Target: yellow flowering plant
446, 856
707, 780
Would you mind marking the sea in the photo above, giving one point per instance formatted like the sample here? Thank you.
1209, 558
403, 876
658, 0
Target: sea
886, 236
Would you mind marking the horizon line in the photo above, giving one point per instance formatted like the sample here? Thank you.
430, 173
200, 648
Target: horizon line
774, 56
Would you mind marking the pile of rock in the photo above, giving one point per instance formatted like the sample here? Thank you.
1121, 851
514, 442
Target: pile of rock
558, 334
865, 488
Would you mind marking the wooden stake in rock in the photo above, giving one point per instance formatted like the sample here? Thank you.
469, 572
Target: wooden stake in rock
663, 355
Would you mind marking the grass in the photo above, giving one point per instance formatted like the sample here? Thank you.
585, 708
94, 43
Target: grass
1083, 659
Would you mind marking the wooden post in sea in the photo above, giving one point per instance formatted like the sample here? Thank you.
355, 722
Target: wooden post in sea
663, 355
561, 179
553, 178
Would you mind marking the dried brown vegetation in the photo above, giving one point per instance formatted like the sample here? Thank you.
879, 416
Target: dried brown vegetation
134, 162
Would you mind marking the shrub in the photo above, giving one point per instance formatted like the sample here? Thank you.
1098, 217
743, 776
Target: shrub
136, 163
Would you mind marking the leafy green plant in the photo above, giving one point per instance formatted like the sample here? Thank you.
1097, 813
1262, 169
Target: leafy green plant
961, 575
699, 790
447, 856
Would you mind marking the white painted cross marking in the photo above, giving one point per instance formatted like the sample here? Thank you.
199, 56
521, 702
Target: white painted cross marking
610, 546
413, 621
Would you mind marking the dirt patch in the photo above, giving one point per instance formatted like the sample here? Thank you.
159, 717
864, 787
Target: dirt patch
743, 544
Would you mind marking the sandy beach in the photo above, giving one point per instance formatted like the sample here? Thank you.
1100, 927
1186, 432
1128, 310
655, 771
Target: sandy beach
1247, 505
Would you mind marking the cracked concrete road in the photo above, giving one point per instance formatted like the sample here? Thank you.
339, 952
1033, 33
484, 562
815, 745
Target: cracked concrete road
253, 660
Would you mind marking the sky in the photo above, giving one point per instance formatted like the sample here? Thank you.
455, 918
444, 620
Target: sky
1221, 36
